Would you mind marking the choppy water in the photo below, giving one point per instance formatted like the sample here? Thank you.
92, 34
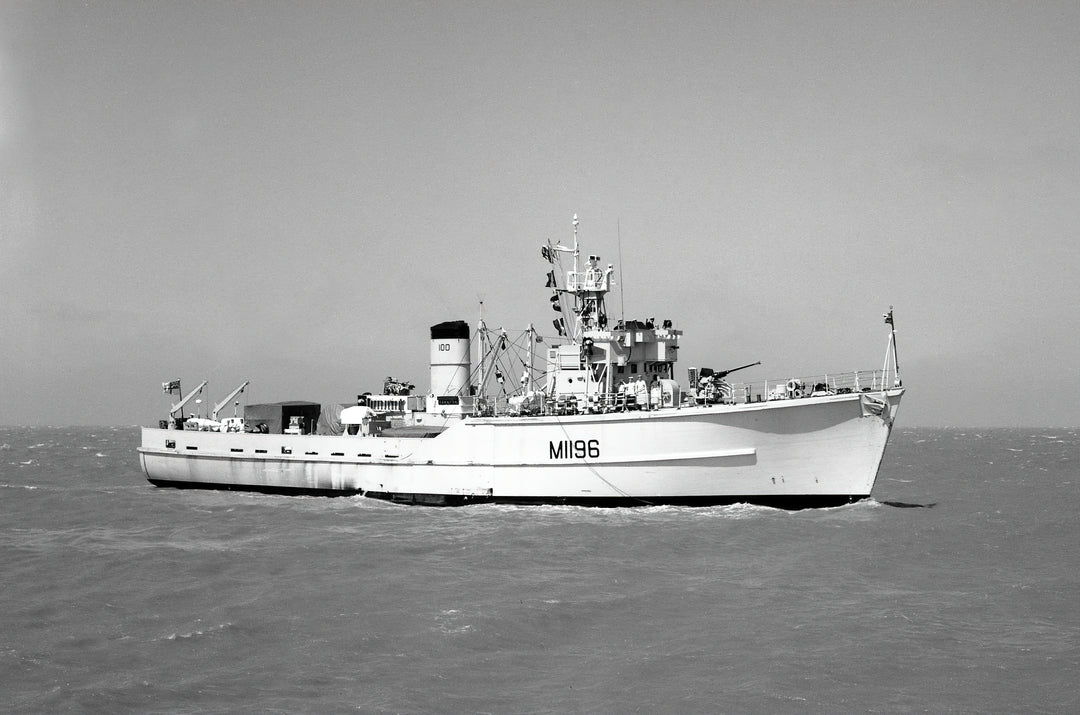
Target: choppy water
957, 589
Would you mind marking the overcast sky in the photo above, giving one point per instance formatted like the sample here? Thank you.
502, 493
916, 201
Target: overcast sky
293, 192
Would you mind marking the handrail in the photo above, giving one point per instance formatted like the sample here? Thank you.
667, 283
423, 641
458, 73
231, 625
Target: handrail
809, 386
726, 393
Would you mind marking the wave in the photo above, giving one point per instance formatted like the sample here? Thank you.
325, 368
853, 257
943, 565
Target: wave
196, 633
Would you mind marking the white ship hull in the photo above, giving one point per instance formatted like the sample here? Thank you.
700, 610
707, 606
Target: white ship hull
814, 451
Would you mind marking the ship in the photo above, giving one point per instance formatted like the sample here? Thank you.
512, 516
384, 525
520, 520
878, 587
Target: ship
595, 415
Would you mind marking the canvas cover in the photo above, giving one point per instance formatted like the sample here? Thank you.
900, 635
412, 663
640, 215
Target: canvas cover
330, 419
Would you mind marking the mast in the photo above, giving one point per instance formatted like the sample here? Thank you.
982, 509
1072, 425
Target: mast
575, 244
891, 349
528, 383
481, 341
578, 327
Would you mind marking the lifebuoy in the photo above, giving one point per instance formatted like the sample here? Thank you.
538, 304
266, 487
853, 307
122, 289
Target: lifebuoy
792, 385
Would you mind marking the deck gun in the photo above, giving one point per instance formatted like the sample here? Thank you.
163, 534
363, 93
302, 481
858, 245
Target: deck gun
712, 381
721, 374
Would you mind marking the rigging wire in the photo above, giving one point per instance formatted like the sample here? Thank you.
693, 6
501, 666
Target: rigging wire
599, 476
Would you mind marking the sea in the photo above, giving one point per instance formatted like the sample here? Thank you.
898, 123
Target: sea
956, 588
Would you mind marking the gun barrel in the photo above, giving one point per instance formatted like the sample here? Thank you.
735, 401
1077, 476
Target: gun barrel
724, 373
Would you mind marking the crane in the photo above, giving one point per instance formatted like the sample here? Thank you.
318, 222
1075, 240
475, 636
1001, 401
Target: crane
234, 393
180, 405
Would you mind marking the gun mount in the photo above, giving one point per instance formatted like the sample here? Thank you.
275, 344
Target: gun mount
721, 374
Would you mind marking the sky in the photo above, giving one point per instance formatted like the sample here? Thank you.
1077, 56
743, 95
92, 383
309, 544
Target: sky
292, 192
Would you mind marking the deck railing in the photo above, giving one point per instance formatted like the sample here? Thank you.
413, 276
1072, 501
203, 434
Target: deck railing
725, 393
806, 386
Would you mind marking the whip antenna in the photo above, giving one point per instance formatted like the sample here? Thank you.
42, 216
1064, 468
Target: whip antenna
622, 306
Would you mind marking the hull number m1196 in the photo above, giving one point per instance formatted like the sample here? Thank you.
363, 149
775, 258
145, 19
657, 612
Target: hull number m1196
574, 449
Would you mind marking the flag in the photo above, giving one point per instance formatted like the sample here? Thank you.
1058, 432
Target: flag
546, 253
170, 387
888, 317
550, 279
